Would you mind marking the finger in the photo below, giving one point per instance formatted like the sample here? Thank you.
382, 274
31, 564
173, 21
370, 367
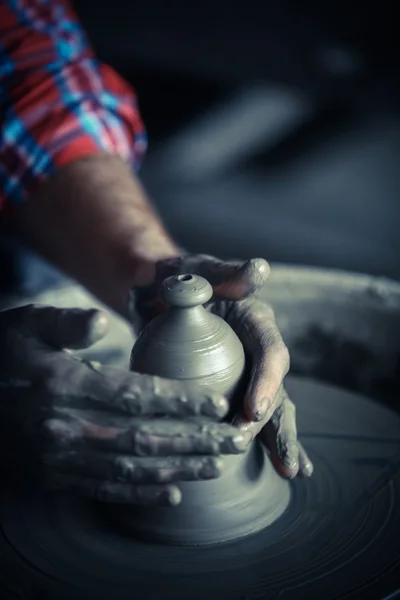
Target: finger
280, 436
141, 437
149, 495
72, 328
91, 385
233, 280
306, 467
242, 424
130, 469
255, 325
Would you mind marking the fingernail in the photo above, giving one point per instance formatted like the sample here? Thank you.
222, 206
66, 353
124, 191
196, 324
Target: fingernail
262, 409
172, 496
220, 403
259, 415
290, 464
211, 469
307, 469
293, 465
242, 440
288, 470
261, 265
95, 365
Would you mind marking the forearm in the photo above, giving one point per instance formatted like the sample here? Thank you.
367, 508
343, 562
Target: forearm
93, 220
70, 135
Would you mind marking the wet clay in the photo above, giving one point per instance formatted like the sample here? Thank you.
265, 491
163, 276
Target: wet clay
189, 343
338, 537
247, 497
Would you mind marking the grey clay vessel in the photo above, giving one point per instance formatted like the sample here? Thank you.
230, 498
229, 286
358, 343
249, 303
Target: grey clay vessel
189, 343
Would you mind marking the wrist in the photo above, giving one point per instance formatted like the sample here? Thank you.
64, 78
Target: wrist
95, 222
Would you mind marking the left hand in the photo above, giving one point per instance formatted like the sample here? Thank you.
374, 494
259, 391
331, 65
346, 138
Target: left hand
267, 410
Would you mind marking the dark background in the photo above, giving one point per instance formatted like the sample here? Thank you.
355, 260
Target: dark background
274, 125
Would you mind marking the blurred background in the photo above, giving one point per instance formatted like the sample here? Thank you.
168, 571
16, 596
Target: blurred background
274, 125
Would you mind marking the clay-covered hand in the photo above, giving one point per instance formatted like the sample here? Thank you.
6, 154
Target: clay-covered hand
267, 409
97, 430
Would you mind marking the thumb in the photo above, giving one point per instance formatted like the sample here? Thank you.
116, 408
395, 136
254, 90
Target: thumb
73, 328
233, 280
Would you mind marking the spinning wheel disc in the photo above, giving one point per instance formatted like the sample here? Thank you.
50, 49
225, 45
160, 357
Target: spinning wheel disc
339, 537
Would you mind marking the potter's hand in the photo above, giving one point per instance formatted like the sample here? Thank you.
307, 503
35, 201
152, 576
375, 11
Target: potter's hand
99, 430
267, 410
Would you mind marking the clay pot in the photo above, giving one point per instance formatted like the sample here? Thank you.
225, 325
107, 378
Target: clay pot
189, 343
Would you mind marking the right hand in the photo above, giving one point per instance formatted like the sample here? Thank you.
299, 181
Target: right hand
103, 432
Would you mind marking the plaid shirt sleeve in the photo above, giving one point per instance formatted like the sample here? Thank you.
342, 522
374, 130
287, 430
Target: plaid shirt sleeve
58, 103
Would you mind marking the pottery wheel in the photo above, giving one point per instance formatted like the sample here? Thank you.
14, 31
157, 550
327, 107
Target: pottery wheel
338, 538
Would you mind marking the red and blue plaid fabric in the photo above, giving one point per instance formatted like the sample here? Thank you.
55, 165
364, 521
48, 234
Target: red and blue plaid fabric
58, 103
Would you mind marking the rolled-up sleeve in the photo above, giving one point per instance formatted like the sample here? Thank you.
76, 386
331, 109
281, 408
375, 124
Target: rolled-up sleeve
58, 103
